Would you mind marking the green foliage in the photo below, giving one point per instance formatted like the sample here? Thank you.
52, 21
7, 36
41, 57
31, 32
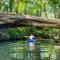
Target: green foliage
43, 8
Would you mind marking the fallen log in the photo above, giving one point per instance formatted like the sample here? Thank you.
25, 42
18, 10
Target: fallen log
21, 19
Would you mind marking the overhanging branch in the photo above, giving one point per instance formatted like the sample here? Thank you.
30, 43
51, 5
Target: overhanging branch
18, 19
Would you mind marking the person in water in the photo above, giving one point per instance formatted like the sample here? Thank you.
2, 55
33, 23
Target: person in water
31, 41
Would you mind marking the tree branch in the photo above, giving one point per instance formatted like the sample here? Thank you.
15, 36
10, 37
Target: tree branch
18, 19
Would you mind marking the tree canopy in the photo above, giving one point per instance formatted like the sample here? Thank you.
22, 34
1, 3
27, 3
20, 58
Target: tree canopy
42, 8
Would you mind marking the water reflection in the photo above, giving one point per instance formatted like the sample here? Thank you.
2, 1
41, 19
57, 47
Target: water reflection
20, 51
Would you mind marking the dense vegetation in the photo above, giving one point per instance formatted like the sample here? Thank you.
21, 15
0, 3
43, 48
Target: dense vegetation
42, 8
46, 8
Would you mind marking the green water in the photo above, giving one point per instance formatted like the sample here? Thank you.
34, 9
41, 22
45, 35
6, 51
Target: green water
20, 51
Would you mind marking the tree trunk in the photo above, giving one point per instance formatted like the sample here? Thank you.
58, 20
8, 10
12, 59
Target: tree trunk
18, 19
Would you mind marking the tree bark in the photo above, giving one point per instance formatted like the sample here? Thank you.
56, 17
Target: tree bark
18, 19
